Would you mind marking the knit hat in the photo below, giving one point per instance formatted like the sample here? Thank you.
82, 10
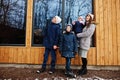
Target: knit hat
68, 25
92, 16
81, 17
58, 19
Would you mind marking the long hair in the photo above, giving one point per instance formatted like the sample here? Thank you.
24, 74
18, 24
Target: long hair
87, 23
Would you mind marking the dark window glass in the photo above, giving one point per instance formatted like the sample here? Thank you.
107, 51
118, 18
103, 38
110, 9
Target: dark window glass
12, 22
44, 10
68, 10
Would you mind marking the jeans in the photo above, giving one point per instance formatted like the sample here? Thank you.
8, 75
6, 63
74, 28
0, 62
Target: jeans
68, 63
53, 57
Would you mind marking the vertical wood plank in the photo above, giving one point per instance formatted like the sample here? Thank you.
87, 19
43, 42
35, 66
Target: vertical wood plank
101, 32
118, 29
36, 55
15, 55
10, 55
29, 23
28, 55
32, 53
114, 32
110, 32
90, 57
97, 31
105, 2
41, 55
2, 54
19, 55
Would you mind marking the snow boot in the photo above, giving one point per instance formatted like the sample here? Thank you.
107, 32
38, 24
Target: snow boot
70, 74
82, 71
40, 71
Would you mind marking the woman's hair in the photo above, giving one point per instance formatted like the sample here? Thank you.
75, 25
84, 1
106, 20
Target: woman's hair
87, 23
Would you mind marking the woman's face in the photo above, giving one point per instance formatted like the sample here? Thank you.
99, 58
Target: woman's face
68, 29
87, 17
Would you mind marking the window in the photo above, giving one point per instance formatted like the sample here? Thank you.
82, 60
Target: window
12, 22
68, 10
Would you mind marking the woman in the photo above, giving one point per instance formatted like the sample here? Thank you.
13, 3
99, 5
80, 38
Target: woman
85, 42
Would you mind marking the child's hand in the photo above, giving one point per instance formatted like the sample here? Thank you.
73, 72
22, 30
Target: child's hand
55, 47
73, 22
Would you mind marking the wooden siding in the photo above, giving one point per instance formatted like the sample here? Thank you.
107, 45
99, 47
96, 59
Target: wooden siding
107, 35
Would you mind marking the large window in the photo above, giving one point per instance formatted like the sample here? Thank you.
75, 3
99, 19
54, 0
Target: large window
12, 22
68, 10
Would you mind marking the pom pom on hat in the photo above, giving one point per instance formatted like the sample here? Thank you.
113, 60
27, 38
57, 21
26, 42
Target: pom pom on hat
92, 16
58, 19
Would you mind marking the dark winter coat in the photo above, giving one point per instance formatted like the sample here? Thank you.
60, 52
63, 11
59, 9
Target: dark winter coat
68, 45
51, 35
78, 27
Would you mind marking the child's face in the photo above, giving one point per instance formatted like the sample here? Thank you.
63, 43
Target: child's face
80, 19
54, 19
68, 29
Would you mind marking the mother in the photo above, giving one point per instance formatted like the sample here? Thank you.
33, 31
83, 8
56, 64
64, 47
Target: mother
85, 42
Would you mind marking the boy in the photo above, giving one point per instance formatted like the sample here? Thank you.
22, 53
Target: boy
68, 48
50, 42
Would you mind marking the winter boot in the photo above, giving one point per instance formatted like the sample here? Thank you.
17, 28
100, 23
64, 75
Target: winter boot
41, 70
83, 71
51, 71
70, 74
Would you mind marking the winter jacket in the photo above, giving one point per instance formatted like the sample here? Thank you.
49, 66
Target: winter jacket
86, 36
51, 35
78, 27
68, 45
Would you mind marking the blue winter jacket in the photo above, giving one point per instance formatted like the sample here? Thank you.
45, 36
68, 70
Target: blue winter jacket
68, 45
51, 35
78, 27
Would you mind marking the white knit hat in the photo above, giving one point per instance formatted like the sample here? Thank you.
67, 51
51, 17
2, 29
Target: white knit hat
81, 17
92, 16
58, 19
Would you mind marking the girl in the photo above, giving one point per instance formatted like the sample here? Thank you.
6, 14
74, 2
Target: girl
85, 42
68, 48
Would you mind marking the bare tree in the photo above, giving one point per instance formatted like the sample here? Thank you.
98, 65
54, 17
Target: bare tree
5, 7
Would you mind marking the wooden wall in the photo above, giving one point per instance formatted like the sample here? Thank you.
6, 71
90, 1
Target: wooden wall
106, 52
108, 36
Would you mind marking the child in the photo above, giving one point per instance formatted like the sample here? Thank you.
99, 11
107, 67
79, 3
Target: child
50, 42
68, 48
78, 27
